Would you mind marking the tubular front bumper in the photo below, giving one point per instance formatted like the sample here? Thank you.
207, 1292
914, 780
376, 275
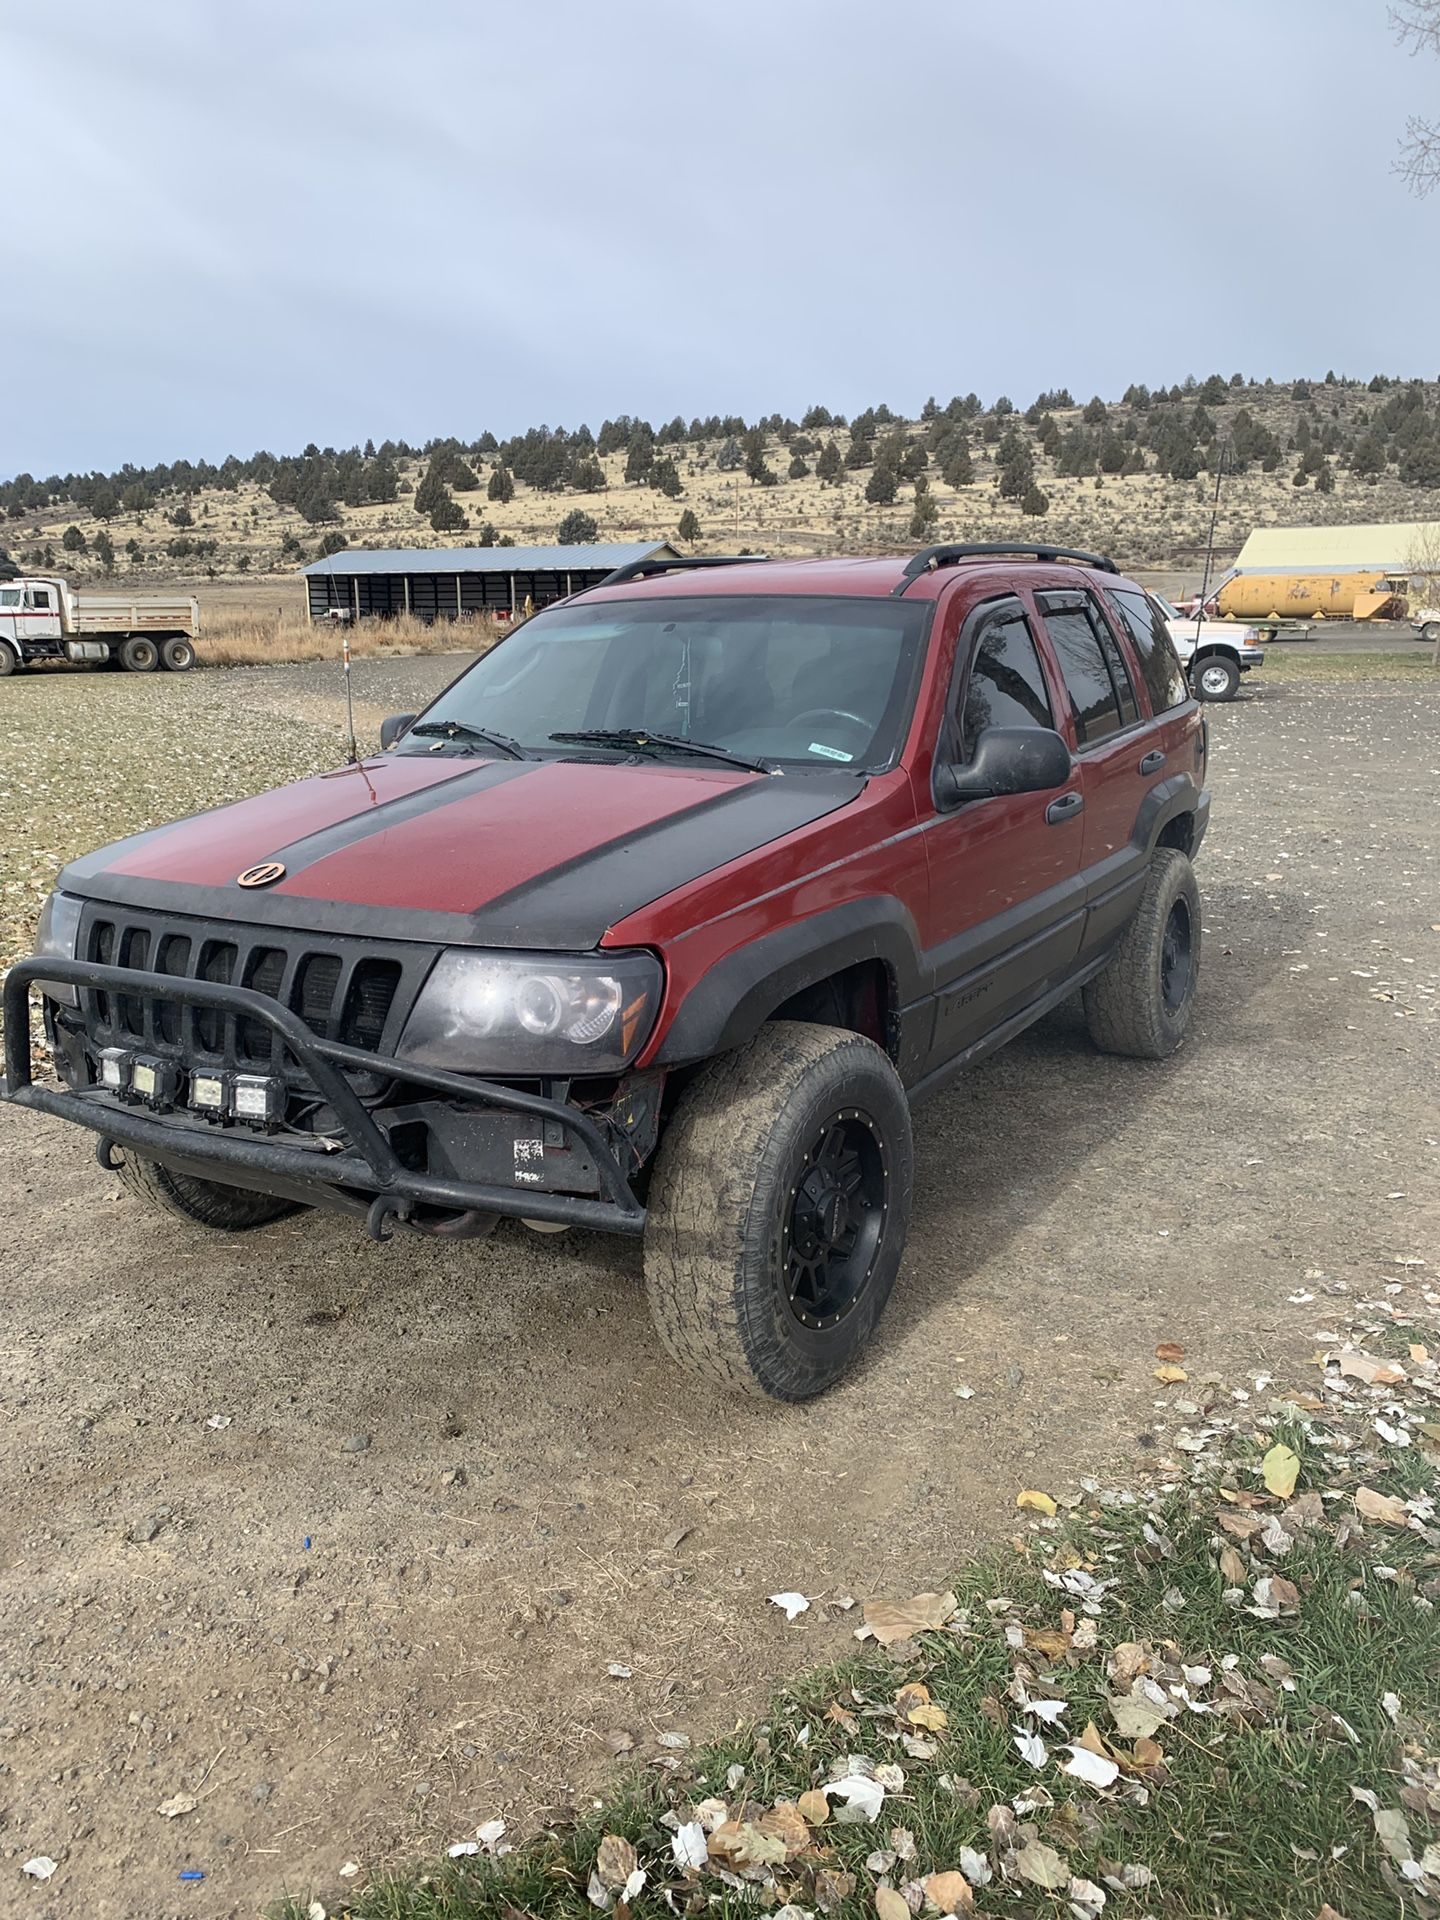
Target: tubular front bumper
366, 1165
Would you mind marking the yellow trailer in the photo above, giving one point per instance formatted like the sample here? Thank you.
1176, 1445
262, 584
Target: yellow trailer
1346, 594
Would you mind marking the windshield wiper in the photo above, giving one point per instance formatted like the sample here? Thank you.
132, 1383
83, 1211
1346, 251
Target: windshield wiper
641, 738
462, 730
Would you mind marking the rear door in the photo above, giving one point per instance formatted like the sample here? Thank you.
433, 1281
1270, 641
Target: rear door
1006, 909
1115, 750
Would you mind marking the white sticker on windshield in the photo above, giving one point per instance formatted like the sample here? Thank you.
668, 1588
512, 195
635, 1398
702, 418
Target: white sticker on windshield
830, 753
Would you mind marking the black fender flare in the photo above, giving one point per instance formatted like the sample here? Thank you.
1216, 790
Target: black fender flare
1166, 801
733, 1000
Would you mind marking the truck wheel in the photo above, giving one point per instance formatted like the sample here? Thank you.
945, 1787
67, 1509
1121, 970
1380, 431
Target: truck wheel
139, 654
177, 653
1141, 1003
207, 1203
1216, 677
9, 661
778, 1211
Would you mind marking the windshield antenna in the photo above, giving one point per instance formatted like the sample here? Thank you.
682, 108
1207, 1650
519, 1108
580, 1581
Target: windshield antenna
349, 696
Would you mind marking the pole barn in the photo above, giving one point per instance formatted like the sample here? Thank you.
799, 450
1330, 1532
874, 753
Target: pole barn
454, 583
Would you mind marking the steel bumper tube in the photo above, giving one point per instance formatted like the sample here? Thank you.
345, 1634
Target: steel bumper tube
368, 1162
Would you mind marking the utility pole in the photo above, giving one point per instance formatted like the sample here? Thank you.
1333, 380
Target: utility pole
1222, 454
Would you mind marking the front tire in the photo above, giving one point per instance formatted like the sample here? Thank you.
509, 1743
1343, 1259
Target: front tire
778, 1211
139, 654
9, 661
1217, 678
1431, 630
205, 1203
177, 653
1141, 1003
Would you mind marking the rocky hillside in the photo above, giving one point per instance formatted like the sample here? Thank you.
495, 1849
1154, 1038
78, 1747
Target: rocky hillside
1133, 477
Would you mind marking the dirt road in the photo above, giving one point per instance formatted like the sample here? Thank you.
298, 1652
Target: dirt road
339, 1540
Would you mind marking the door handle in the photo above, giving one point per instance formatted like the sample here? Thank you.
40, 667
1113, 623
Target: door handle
1152, 762
1065, 808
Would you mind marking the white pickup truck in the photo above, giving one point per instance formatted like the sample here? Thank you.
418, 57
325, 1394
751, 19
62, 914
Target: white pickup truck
41, 618
1214, 653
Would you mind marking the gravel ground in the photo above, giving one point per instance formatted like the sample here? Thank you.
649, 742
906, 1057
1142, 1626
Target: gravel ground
339, 1540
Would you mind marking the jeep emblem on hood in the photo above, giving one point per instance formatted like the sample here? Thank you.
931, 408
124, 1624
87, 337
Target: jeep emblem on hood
264, 875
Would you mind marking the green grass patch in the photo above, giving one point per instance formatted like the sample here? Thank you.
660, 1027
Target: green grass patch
1246, 1810
1298, 661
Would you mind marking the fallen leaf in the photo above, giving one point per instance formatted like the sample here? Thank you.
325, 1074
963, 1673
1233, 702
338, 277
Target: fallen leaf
1096, 1770
1381, 1506
689, 1846
40, 1868
1242, 1525
1420, 1355
615, 1860
814, 1807
975, 1867
1171, 1376
786, 1823
832, 1888
1042, 1866
1051, 1641
1393, 1832
1170, 1350
1086, 1900
793, 1603
1136, 1715
950, 1892
863, 1798
178, 1803
746, 1845
1280, 1469
1031, 1748
891, 1905
1032, 1502
1371, 1373
890, 1621
1232, 1567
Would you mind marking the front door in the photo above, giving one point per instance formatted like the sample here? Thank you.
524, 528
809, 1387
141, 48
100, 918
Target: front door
39, 618
1005, 910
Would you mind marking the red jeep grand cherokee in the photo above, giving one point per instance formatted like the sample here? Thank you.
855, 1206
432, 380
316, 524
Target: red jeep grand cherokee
658, 920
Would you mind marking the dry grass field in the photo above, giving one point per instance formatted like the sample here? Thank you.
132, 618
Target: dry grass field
254, 608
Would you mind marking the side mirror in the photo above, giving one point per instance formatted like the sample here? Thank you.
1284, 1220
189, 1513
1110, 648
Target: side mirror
1006, 760
395, 728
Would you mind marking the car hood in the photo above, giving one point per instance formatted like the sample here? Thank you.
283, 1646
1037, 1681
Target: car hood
437, 846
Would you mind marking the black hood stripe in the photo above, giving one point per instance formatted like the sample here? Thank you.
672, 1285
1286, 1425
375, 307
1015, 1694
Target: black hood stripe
311, 848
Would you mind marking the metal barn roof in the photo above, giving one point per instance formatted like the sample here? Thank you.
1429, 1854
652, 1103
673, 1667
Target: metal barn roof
1386, 545
414, 560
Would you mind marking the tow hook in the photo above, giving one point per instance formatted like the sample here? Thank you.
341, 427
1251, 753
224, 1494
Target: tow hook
384, 1208
105, 1154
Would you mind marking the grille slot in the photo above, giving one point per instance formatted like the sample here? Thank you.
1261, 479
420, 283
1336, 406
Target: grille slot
315, 989
264, 973
372, 989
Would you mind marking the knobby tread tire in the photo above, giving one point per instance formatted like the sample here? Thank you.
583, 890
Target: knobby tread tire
722, 1180
1125, 1004
205, 1203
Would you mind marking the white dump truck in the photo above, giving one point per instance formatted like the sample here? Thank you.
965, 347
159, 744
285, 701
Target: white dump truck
42, 618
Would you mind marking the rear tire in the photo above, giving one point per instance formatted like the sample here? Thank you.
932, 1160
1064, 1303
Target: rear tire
1141, 1003
205, 1203
1216, 678
778, 1211
177, 653
139, 654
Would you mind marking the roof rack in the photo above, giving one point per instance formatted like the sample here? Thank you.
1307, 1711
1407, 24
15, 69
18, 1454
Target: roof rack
654, 564
929, 558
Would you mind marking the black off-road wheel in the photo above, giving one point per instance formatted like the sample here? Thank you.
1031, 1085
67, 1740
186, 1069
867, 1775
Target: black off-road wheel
1142, 1002
177, 653
778, 1211
1216, 677
205, 1203
139, 654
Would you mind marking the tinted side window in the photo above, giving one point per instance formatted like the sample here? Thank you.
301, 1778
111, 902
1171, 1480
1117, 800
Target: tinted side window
1115, 660
1007, 683
1164, 675
1087, 678
41, 596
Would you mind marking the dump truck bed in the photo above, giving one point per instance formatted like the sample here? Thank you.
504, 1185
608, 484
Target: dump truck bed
111, 613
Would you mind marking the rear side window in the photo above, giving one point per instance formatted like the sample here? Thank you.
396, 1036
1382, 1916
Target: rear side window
1007, 683
1164, 675
1076, 639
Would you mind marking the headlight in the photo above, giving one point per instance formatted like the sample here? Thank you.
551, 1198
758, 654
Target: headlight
533, 1013
56, 938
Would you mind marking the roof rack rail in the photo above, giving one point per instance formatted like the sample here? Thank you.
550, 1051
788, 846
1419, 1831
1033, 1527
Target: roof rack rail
929, 558
654, 564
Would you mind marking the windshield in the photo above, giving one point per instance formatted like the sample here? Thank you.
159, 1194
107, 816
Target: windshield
796, 680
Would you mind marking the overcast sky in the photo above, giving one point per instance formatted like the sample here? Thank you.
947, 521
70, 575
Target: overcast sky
234, 224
